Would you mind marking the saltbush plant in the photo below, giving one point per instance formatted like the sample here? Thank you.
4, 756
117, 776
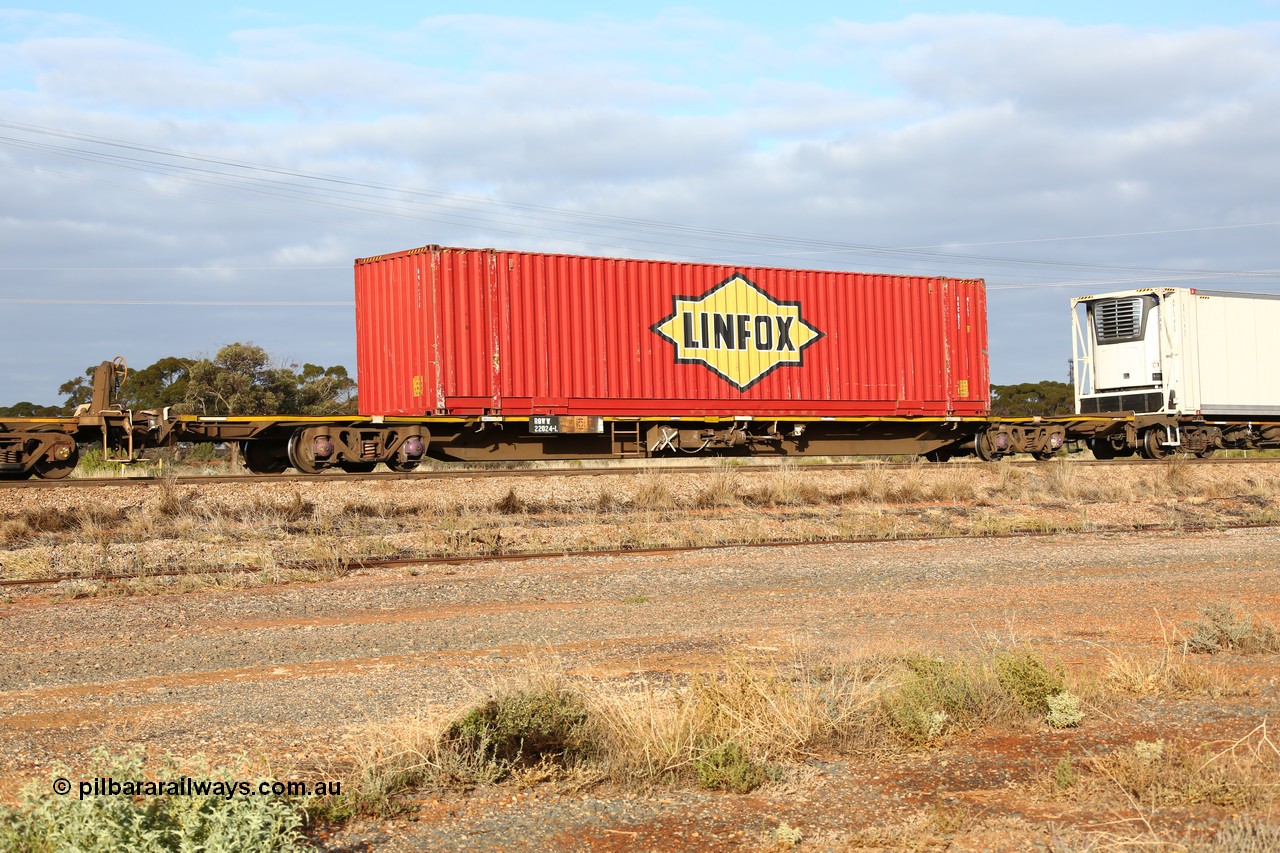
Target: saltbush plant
1224, 628
47, 822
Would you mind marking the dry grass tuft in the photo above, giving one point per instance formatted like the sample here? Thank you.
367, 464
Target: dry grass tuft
726, 729
512, 504
721, 490
871, 485
1179, 476
1157, 773
787, 487
907, 487
389, 757
95, 520
382, 509
1060, 480
1163, 674
264, 510
48, 519
171, 500
652, 493
956, 485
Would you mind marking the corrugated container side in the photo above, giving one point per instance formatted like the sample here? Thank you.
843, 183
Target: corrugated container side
1222, 347
463, 331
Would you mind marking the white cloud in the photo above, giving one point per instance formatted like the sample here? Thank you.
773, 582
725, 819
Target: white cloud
924, 132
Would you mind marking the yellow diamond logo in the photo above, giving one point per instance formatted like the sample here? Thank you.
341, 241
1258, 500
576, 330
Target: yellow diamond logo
738, 331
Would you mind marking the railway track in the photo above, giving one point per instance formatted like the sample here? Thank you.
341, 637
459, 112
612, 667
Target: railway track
558, 471
401, 562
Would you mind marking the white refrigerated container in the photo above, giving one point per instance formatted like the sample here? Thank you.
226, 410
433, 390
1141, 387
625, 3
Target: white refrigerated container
1177, 351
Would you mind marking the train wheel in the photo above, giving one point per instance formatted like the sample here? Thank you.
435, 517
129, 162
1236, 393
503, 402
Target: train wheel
985, 450
264, 457
401, 467
1043, 455
1152, 448
301, 456
56, 469
16, 475
1102, 448
358, 467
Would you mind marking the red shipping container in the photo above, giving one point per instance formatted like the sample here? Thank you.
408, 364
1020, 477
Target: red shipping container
444, 331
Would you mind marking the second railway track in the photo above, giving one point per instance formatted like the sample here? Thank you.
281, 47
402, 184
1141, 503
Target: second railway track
566, 471
406, 561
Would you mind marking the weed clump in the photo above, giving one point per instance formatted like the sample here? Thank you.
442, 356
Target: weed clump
1243, 836
512, 504
1223, 628
935, 698
1064, 775
546, 724
1174, 773
727, 767
1064, 710
1025, 677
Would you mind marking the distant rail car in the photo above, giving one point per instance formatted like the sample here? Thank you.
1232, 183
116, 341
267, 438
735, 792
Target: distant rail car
475, 355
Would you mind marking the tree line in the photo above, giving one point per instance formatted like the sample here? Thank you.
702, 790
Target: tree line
240, 379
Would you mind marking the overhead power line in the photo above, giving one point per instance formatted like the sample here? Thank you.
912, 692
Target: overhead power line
583, 227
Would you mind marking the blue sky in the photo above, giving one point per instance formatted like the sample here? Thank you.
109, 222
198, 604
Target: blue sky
204, 28
179, 178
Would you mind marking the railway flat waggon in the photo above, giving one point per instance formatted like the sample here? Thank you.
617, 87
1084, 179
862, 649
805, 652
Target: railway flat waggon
487, 355
531, 355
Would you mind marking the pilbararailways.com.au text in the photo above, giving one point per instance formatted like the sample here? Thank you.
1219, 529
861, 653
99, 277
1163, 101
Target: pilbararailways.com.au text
185, 786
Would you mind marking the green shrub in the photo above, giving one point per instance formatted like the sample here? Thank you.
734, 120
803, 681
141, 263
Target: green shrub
1025, 677
935, 698
522, 728
43, 821
727, 767
1064, 775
